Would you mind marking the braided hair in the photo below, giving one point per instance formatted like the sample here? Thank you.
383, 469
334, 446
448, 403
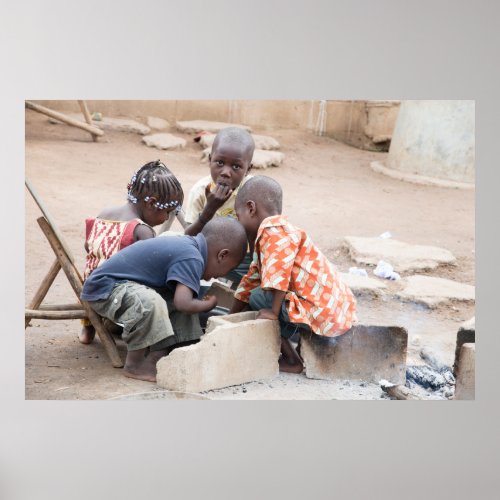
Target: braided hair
155, 179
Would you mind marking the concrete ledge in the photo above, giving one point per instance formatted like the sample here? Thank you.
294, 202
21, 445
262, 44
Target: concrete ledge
368, 353
418, 179
236, 349
465, 387
195, 126
466, 335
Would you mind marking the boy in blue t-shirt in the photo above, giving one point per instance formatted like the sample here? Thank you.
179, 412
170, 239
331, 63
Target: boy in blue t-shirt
151, 289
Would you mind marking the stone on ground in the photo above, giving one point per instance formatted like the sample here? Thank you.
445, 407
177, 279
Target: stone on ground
236, 349
260, 159
465, 387
156, 123
435, 291
368, 353
224, 294
402, 256
164, 141
261, 141
196, 126
466, 335
116, 124
362, 285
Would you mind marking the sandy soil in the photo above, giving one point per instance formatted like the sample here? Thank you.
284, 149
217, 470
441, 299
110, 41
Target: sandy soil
329, 190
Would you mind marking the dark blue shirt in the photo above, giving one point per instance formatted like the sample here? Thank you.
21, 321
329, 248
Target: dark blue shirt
159, 263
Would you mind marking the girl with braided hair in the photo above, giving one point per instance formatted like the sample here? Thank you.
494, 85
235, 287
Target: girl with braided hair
153, 195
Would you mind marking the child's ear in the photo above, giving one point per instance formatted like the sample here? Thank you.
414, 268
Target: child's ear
252, 207
151, 201
222, 255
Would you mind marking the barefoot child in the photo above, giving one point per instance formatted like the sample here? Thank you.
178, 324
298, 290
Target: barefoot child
152, 194
151, 288
213, 196
289, 278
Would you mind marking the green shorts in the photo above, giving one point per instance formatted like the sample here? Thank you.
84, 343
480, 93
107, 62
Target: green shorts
147, 318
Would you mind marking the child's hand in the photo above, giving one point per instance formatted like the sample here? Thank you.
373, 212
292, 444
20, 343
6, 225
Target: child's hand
266, 314
217, 197
211, 302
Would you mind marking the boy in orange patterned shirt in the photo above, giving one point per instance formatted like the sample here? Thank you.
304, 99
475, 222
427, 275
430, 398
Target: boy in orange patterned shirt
289, 279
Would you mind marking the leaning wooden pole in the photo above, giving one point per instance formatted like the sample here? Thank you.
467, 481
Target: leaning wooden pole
63, 118
86, 115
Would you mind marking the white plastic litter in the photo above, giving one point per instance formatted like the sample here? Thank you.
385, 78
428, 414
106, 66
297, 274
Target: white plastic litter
385, 270
358, 271
385, 235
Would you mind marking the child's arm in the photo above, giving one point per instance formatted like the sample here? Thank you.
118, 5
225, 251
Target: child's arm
143, 232
274, 312
184, 301
215, 200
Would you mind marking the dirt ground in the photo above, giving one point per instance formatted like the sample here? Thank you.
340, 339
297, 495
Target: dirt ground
329, 190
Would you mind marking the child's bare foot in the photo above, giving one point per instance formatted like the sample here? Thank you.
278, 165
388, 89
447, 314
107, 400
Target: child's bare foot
141, 364
289, 361
87, 334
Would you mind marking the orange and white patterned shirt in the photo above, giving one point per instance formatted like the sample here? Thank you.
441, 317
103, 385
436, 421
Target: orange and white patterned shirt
286, 259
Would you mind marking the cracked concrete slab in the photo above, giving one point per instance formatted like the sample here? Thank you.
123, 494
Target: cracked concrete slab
260, 159
164, 141
402, 256
196, 126
156, 123
261, 141
108, 123
362, 285
235, 349
433, 291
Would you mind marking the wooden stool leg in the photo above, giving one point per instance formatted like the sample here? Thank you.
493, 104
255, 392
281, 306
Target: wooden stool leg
76, 282
43, 289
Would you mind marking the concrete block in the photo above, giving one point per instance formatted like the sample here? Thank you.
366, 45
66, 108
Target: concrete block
466, 335
224, 294
435, 291
362, 285
368, 353
196, 126
402, 256
164, 141
261, 141
156, 123
235, 349
465, 387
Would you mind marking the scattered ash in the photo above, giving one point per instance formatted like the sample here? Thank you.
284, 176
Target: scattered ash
435, 382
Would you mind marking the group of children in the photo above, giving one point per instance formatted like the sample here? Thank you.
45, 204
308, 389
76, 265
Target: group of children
151, 286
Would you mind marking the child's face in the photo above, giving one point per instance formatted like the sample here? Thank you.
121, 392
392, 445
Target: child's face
155, 216
229, 164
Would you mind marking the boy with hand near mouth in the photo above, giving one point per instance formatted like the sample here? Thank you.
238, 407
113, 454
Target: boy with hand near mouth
214, 195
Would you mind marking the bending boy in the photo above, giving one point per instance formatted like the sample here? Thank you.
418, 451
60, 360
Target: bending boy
151, 289
289, 278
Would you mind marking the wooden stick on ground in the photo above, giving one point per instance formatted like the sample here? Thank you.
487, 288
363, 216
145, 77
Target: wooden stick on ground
63, 118
398, 391
86, 114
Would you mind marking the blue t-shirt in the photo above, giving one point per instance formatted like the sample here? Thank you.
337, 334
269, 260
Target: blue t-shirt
159, 263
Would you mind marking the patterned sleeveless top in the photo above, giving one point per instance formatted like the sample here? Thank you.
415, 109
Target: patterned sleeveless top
105, 238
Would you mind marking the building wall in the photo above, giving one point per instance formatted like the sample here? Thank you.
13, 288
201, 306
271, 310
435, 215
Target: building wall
364, 124
435, 139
